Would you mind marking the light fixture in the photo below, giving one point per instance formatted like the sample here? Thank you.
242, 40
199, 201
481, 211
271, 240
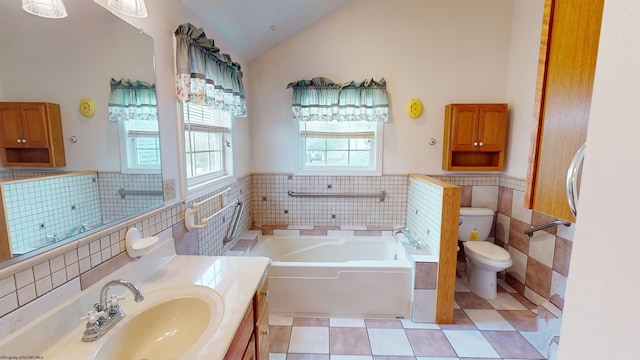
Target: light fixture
133, 8
53, 9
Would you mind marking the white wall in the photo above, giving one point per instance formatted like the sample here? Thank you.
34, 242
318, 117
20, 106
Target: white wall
165, 16
440, 51
521, 86
62, 61
601, 319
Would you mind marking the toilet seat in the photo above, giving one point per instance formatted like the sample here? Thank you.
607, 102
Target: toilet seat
487, 252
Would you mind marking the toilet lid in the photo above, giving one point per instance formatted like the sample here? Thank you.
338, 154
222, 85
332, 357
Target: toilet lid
488, 250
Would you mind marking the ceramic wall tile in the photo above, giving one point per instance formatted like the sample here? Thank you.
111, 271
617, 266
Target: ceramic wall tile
518, 210
485, 197
542, 247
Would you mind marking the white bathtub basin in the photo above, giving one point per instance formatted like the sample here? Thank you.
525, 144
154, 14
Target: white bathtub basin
363, 276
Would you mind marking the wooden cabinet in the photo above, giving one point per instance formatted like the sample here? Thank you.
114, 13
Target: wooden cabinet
566, 68
31, 135
474, 137
251, 340
261, 311
243, 337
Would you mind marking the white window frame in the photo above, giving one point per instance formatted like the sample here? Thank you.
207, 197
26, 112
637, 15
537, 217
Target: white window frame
127, 151
374, 170
201, 184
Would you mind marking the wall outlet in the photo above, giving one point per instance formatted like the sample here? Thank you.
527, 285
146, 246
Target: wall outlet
169, 189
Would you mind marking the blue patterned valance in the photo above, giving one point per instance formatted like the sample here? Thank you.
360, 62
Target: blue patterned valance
321, 99
204, 75
132, 100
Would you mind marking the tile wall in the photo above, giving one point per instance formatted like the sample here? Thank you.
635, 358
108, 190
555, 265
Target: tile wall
210, 238
424, 213
540, 263
272, 205
43, 210
114, 206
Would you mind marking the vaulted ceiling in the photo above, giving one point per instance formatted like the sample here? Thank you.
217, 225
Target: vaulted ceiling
254, 26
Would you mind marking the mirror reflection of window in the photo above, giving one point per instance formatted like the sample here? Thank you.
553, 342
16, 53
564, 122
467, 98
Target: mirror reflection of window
132, 104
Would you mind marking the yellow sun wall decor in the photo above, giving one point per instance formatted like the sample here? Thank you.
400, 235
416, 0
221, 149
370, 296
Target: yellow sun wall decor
415, 108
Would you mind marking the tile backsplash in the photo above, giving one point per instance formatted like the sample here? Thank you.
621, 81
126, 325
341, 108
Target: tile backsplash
273, 206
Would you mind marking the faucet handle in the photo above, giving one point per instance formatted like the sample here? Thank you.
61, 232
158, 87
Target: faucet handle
114, 300
92, 316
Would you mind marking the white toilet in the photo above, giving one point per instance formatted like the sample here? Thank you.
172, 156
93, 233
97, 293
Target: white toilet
484, 259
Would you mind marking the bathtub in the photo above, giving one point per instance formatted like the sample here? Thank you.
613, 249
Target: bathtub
357, 276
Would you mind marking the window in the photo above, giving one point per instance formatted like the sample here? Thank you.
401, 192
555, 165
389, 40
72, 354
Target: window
140, 150
339, 126
207, 140
332, 147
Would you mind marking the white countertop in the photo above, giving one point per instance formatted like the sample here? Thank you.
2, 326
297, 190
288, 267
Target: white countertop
236, 279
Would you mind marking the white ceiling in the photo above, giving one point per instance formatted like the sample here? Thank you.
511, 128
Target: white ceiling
254, 26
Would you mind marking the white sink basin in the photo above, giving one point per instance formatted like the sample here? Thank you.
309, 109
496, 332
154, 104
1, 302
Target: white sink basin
169, 324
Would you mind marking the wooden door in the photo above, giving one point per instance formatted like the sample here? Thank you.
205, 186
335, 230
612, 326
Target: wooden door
568, 51
34, 125
10, 126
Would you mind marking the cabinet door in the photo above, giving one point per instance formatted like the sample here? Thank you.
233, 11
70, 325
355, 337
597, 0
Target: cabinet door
10, 126
566, 70
464, 127
492, 127
250, 352
34, 125
262, 335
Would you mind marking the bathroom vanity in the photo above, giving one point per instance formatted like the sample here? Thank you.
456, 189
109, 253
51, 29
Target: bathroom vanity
229, 293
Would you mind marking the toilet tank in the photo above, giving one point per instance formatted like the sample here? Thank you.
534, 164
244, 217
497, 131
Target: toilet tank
476, 223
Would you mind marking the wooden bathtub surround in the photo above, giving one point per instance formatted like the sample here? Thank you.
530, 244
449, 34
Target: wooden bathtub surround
566, 69
448, 248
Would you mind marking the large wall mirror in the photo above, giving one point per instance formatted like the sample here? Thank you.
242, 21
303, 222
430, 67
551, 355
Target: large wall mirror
62, 61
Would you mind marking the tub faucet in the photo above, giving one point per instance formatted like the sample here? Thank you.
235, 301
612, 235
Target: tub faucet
407, 234
78, 229
107, 312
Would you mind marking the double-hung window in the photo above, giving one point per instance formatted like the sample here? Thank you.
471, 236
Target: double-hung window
339, 126
207, 140
209, 87
339, 147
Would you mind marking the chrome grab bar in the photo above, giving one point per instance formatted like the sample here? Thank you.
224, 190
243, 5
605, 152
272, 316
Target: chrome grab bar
237, 215
382, 194
533, 229
572, 179
123, 193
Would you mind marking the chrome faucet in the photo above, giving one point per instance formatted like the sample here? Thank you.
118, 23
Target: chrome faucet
407, 234
107, 312
78, 229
